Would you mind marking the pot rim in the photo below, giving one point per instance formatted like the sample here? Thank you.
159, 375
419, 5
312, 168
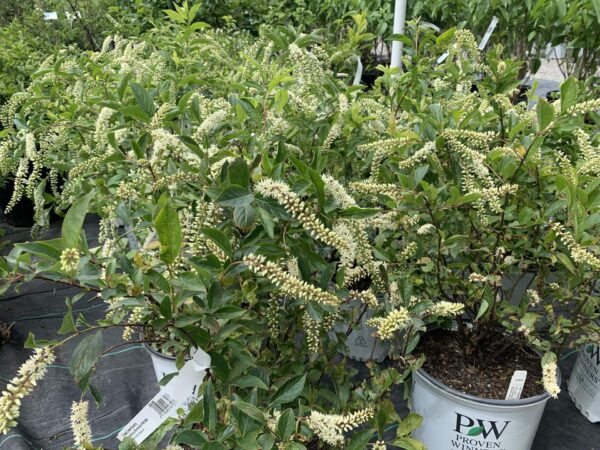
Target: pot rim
160, 355
480, 400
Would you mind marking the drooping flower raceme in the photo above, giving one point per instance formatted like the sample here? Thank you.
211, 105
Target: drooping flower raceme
388, 325
82, 432
331, 427
549, 378
446, 309
579, 253
30, 373
288, 284
292, 203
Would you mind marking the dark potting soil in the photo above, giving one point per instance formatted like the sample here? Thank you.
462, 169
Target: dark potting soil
445, 361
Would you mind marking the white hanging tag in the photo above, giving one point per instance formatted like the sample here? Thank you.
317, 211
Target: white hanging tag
176, 394
359, 71
51, 15
488, 33
516, 385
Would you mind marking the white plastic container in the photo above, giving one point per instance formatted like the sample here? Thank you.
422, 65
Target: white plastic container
163, 364
453, 420
584, 384
361, 344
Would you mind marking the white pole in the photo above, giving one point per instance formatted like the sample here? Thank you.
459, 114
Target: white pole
399, 18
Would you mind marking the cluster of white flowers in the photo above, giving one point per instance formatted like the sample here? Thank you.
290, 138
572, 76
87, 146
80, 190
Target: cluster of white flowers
417, 157
336, 129
477, 278
101, 129
590, 161
395, 321
288, 284
446, 309
367, 297
338, 192
330, 428
292, 203
137, 314
30, 373
369, 188
311, 329
426, 229
379, 445
579, 253
69, 259
584, 107
550, 379
82, 432
534, 296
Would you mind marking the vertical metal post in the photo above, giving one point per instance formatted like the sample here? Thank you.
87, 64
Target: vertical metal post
399, 19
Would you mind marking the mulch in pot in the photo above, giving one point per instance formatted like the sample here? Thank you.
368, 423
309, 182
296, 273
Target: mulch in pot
446, 362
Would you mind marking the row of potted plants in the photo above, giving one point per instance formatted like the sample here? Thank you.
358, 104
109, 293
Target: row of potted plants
256, 205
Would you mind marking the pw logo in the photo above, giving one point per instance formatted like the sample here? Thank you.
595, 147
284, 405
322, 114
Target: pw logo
475, 427
594, 352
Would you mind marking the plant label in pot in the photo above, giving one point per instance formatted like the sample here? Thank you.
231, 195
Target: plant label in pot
454, 420
163, 364
180, 392
584, 384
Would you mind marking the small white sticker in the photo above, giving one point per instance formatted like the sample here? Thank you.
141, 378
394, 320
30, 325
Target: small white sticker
180, 392
516, 385
51, 15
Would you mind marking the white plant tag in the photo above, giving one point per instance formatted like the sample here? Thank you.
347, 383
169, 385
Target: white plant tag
175, 395
488, 33
359, 71
516, 385
52, 15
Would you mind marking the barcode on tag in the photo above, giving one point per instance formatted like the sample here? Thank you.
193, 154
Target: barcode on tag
162, 405
516, 385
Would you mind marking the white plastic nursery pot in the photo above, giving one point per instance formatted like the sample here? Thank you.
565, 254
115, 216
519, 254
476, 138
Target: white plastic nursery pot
584, 384
361, 344
163, 364
454, 420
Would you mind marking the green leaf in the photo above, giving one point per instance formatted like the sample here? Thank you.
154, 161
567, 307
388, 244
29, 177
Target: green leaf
408, 443
568, 94
483, 308
566, 261
250, 410
290, 390
359, 440
210, 407
143, 98
476, 431
128, 444
73, 221
249, 381
319, 185
354, 212
219, 238
238, 173
168, 228
235, 195
596, 4
545, 114
190, 437
243, 217
286, 424
86, 354
68, 323
135, 112
409, 424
